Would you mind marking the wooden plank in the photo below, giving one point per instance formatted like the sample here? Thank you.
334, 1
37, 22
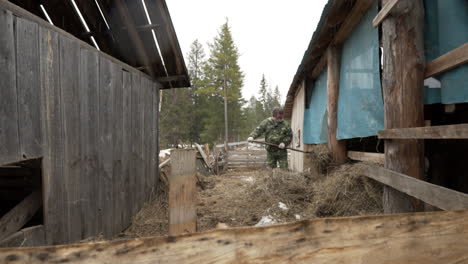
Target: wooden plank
182, 192
69, 83
137, 143
17, 217
54, 191
448, 61
154, 156
432, 238
29, 94
366, 156
89, 119
432, 132
144, 151
202, 153
9, 134
402, 79
337, 147
127, 148
435, 195
384, 12
20, 12
117, 120
33, 236
156, 87
106, 148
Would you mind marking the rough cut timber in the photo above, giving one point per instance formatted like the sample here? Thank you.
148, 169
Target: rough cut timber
435, 195
366, 156
17, 217
435, 132
402, 79
448, 61
430, 238
182, 192
384, 12
337, 147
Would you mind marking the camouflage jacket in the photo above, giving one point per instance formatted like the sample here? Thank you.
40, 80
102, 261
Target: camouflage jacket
275, 132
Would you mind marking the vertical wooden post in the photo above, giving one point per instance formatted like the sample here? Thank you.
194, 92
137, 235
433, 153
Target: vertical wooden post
182, 192
402, 81
336, 147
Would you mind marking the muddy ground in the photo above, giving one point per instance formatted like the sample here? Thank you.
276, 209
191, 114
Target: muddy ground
251, 197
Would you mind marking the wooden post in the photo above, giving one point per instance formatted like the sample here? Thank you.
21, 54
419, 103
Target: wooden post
336, 147
182, 192
402, 83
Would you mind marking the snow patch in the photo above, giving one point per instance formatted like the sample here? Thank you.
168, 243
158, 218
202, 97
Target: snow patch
266, 221
282, 206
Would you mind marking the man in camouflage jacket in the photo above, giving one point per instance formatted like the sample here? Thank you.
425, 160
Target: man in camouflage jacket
278, 132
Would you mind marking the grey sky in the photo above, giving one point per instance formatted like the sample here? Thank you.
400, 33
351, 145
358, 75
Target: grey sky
271, 35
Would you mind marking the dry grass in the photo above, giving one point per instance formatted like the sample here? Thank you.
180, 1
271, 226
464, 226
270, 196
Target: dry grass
243, 197
152, 219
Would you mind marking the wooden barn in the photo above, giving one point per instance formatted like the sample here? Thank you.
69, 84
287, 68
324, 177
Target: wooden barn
388, 82
79, 106
360, 89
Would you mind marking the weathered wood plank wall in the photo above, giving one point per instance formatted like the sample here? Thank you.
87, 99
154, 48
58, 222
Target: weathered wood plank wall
92, 119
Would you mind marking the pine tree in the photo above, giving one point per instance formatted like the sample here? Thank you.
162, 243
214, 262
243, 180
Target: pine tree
196, 67
224, 79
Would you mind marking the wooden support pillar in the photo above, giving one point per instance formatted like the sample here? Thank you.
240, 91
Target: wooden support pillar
182, 192
337, 147
402, 83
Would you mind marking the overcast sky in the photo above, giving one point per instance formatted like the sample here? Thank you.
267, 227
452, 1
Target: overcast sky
271, 35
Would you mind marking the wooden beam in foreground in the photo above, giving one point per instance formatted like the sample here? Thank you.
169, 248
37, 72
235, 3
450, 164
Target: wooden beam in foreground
436, 237
386, 9
435, 195
17, 217
448, 61
434, 132
366, 156
182, 192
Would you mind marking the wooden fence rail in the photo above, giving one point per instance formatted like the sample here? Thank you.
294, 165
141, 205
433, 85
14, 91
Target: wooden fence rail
437, 237
433, 132
435, 195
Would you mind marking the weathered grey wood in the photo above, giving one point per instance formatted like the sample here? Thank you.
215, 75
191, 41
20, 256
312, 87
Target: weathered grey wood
402, 79
164, 163
54, 185
432, 132
384, 12
337, 147
89, 109
137, 141
17, 217
127, 147
28, 88
117, 117
152, 141
448, 61
182, 192
366, 156
147, 138
9, 135
155, 132
20, 12
432, 194
69, 83
431, 238
203, 154
145, 103
106, 148
33, 236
